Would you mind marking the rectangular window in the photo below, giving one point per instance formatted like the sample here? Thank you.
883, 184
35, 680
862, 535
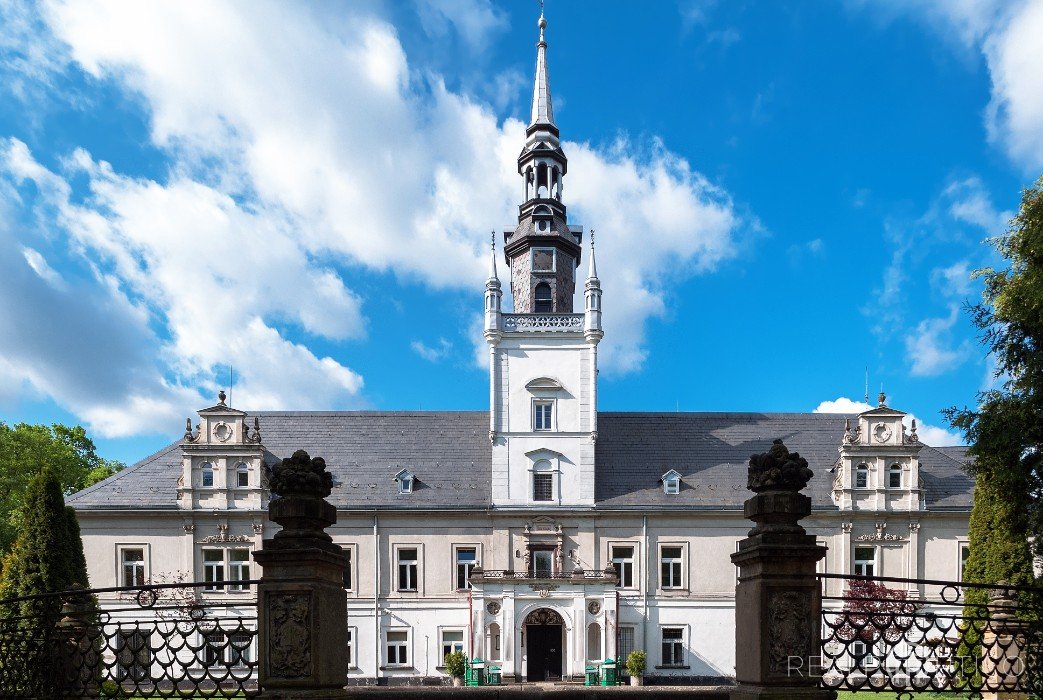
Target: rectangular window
398, 648
213, 569
133, 564
894, 477
862, 476
542, 487
543, 562
452, 640
673, 646
240, 649
466, 560
213, 649
239, 568
626, 643
865, 561
133, 656
863, 655
543, 260
623, 562
350, 651
965, 552
349, 556
407, 569
542, 415
671, 560
242, 475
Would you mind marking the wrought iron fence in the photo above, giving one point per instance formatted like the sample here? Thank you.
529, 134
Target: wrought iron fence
905, 636
162, 640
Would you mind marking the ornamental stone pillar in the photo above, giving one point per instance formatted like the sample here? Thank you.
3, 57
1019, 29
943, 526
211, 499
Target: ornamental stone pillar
301, 606
1003, 641
778, 601
78, 647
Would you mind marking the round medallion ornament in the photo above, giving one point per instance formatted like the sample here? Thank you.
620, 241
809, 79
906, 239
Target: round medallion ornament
882, 432
493, 608
222, 431
593, 607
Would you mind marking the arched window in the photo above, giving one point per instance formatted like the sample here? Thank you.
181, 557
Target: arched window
862, 476
492, 642
242, 475
544, 301
594, 642
542, 481
894, 476
208, 475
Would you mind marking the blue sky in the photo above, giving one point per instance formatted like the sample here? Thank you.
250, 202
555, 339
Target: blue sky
785, 194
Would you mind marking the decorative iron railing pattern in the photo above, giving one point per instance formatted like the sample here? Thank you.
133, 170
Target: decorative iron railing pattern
903, 636
164, 640
544, 323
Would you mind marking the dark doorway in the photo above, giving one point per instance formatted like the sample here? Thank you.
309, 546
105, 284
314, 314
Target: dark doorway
543, 645
544, 652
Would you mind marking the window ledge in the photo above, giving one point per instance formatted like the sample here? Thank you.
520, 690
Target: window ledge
397, 667
679, 666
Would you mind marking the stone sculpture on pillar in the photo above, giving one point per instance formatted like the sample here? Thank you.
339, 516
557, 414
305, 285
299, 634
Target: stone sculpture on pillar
302, 609
778, 601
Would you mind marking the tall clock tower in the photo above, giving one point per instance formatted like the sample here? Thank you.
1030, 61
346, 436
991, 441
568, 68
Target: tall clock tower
543, 356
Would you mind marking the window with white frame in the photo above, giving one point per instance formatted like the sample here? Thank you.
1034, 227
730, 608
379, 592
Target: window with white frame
543, 414
397, 647
133, 655
543, 260
466, 559
862, 476
349, 562
623, 563
671, 483
452, 640
965, 553
673, 646
132, 566
408, 566
242, 475
233, 650
671, 560
207, 471
239, 568
626, 642
350, 649
405, 480
894, 476
213, 569
863, 655
542, 481
542, 562
865, 561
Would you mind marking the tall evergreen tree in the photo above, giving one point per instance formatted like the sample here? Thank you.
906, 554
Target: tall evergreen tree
1006, 430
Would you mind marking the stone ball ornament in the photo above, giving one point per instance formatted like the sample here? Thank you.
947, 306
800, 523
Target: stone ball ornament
301, 475
778, 469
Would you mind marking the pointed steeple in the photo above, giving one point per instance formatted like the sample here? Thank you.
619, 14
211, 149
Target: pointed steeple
542, 109
492, 260
592, 273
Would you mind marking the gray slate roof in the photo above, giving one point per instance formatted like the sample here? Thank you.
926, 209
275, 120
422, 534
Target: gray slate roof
450, 454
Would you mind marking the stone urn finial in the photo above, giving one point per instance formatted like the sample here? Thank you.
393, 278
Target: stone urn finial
301, 483
777, 476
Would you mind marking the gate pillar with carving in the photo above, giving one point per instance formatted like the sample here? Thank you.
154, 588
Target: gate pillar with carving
301, 606
778, 601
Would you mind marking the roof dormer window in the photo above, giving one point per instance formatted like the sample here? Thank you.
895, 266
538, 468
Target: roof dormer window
405, 479
671, 482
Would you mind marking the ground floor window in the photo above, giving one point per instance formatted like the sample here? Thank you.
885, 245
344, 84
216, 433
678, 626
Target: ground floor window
133, 655
351, 647
626, 643
673, 646
397, 647
223, 649
452, 640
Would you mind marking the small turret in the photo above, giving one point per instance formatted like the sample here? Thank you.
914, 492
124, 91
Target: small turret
493, 294
592, 298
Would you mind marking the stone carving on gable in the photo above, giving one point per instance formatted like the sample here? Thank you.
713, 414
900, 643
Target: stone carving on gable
789, 628
879, 535
289, 645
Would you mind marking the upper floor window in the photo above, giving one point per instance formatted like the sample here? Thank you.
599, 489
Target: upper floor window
213, 569
671, 560
133, 565
239, 568
544, 299
862, 476
623, 562
405, 479
543, 261
543, 414
242, 475
865, 561
542, 562
226, 565
466, 560
408, 563
894, 476
671, 482
542, 481
208, 474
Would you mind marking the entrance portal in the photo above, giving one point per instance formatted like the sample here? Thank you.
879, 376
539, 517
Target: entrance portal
544, 640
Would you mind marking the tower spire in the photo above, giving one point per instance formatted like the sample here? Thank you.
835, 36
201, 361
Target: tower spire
492, 258
542, 109
592, 273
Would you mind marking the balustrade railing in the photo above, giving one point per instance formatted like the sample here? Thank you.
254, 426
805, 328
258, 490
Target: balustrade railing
545, 323
511, 575
159, 641
904, 636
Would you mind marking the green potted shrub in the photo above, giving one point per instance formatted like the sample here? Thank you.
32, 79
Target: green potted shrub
636, 666
455, 665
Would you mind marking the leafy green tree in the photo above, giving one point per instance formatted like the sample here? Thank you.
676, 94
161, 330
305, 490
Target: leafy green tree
24, 452
1005, 431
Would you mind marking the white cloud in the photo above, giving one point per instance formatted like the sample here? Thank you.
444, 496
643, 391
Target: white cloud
299, 146
39, 265
475, 20
432, 353
929, 347
928, 434
953, 281
970, 202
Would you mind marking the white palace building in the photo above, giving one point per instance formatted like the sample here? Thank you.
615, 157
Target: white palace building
541, 534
